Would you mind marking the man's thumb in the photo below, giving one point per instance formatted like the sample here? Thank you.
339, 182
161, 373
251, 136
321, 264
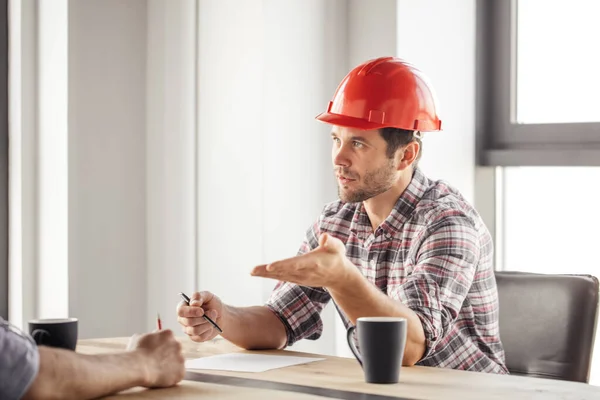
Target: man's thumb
196, 299
323, 240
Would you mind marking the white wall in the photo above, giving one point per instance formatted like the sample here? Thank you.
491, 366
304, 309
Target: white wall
372, 30
298, 177
303, 64
107, 166
78, 165
263, 161
230, 148
442, 45
170, 158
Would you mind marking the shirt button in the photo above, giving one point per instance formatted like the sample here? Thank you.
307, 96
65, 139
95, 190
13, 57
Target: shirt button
372, 263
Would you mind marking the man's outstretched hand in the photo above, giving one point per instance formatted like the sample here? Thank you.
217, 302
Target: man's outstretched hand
325, 266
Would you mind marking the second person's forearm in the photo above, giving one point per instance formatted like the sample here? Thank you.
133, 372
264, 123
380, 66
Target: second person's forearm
64, 374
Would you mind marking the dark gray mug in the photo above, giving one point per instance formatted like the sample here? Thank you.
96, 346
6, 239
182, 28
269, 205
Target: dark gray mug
60, 332
381, 341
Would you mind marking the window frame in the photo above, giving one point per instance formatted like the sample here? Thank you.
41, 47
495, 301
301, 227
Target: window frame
500, 140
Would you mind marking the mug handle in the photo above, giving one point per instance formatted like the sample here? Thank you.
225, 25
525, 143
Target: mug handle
352, 345
39, 335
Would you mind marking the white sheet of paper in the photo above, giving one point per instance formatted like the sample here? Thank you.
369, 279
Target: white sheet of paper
243, 362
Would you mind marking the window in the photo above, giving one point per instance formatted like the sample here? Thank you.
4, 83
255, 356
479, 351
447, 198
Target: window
538, 115
552, 208
558, 78
538, 82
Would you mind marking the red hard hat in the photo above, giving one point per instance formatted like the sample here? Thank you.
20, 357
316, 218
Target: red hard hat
384, 92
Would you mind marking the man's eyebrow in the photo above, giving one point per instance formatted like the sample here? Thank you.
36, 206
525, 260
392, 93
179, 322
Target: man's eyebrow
360, 139
357, 138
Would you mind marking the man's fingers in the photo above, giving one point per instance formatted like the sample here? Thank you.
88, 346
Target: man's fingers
196, 299
180, 309
268, 271
259, 270
284, 276
293, 264
323, 240
192, 321
166, 333
190, 312
330, 243
279, 266
208, 334
197, 330
286, 270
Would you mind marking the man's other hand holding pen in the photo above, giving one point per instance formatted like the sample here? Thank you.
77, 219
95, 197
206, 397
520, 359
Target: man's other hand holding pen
200, 315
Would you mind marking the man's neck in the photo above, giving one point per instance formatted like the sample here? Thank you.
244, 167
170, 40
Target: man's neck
378, 208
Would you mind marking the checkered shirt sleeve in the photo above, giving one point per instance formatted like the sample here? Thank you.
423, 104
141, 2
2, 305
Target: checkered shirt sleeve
441, 277
299, 307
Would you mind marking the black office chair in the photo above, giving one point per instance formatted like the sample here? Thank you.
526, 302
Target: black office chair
548, 324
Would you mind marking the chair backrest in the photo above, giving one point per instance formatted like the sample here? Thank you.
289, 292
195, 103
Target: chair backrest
548, 323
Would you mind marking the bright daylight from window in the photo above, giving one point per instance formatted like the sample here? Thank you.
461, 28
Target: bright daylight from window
557, 69
550, 213
550, 224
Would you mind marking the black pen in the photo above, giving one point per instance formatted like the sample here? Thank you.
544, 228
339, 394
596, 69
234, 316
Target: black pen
187, 301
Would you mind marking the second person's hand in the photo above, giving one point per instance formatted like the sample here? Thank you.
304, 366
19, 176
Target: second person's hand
162, 358
190, 317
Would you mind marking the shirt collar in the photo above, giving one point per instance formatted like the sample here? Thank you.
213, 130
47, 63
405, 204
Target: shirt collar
403, 209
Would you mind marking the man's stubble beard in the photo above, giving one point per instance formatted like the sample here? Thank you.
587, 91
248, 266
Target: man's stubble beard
375, 183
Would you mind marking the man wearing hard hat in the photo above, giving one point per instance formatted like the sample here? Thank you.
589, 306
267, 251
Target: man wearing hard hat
395, 244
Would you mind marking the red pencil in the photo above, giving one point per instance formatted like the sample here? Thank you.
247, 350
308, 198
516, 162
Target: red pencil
158, 321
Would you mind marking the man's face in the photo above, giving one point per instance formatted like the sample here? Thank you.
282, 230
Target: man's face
361, 165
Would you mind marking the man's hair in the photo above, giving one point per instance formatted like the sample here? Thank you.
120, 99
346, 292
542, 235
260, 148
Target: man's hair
396, 137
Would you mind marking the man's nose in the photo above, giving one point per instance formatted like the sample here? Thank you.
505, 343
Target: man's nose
340, 157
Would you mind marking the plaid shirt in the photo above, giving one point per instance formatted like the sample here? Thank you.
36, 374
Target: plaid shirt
432, 253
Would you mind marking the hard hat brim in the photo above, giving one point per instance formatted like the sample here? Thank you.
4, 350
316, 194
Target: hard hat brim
348, 122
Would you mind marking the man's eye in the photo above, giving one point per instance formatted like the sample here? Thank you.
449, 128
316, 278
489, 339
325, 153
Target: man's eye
336, 140
357, 144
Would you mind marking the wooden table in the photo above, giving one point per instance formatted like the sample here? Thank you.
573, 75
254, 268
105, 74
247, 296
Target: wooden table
341, 378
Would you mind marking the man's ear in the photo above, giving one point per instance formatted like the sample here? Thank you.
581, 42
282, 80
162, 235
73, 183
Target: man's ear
407, 155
